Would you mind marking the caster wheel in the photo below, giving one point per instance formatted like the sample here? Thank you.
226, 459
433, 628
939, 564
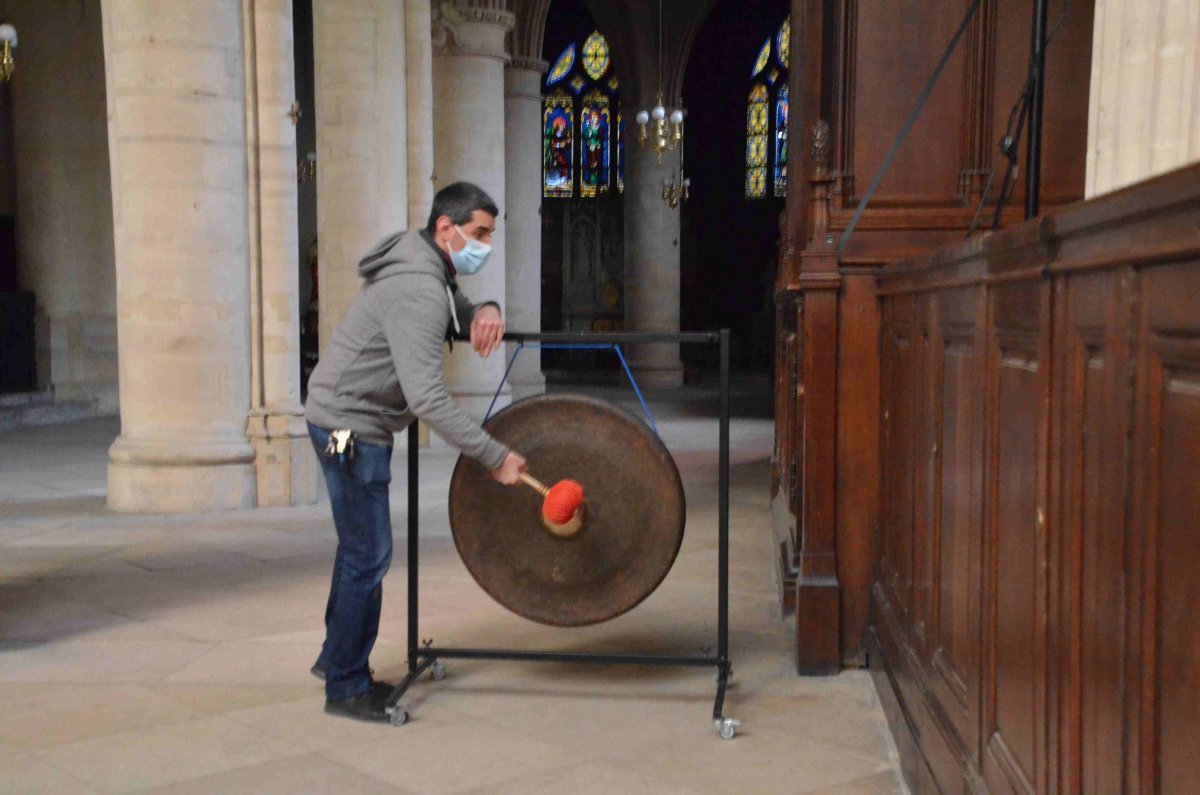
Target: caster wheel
399, 716
437, 671
727, 728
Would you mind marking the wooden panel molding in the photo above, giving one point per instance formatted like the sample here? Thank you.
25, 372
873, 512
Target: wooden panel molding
1033, 624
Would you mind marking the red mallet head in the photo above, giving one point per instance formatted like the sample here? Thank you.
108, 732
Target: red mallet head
562, 502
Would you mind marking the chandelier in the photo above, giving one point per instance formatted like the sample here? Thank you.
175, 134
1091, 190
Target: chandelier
662, 129
665, 135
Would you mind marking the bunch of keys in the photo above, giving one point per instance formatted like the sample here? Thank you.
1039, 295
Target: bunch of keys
341, 444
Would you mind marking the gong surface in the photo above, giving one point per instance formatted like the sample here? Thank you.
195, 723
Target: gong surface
633, 502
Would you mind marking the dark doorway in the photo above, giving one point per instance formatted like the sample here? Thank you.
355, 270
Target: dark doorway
729, 242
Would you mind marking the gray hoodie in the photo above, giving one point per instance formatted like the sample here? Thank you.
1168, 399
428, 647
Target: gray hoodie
383, 366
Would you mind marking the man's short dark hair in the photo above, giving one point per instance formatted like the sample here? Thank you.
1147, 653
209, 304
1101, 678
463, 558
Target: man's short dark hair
459, 201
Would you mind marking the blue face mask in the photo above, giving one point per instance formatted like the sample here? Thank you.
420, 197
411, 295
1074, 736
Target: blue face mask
472, 257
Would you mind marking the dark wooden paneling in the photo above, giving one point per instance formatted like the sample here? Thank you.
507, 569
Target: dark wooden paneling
1014, 585
1167, 512
860, 65
1094, 400
857, 459
1040, 443
891, 68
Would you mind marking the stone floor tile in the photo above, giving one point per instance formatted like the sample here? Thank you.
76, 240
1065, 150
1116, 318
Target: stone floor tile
609, 726
124, 662
250, 663
46, 715
162, 755
303, 722
584, 779
448, 759
26, 774
756, 761
218, 699
854, 727
885, 783
36, 613
304, 775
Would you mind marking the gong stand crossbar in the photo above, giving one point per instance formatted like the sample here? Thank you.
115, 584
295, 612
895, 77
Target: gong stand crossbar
424, 656
574, 346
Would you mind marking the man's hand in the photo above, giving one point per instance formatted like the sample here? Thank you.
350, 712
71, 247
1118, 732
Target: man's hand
509, 473
487, 330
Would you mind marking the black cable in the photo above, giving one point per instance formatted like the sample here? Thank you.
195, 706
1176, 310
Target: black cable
1010, 142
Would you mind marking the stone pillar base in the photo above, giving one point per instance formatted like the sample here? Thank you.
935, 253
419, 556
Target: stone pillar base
474, 400
155, 488
526, 385
180, 476
286, 467
658, 376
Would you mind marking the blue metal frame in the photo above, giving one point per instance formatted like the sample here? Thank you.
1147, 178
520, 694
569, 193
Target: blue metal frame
574, 346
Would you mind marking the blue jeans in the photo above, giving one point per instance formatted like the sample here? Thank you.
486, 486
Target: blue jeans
358, 494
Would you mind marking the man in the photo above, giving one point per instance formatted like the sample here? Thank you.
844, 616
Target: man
382, 370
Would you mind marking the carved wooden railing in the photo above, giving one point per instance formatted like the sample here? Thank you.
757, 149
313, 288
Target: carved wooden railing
1034, 622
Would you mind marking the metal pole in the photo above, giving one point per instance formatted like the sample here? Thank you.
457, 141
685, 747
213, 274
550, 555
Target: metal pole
1033, 154
414, 442
723, 510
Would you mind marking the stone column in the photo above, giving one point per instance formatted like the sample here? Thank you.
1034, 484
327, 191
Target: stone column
1144, 115
177, 147
418, 25
418, 42
651, 262
523, 197
362, 153
285, 463
468, 90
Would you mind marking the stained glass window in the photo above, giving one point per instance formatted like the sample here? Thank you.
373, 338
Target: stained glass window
563, 66
578, 126
781, 133
767, 118
558, 145
594, 122
764, 55
783, 43
595, 55
756, 142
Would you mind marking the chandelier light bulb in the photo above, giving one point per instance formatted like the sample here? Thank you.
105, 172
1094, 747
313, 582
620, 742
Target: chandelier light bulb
642, 117
8, 34
659, 113
677, 117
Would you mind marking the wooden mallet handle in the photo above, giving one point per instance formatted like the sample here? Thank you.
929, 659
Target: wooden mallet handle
534, 483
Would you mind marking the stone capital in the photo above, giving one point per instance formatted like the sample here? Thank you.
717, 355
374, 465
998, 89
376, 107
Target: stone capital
528, 65
473, 28
523, 82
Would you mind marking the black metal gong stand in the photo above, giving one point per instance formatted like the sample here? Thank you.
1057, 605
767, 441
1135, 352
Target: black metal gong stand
426, 656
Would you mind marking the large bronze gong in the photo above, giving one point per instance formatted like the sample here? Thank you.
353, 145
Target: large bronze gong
633, 513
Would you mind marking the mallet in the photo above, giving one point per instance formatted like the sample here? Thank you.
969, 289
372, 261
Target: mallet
562, 506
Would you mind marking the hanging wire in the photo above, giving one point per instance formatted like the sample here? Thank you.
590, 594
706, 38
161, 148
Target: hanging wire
1010, 142
660, 51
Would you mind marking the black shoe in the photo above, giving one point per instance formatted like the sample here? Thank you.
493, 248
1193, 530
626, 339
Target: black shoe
318, 670
370, 706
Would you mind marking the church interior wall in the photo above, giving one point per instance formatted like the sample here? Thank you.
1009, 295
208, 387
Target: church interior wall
62, 198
